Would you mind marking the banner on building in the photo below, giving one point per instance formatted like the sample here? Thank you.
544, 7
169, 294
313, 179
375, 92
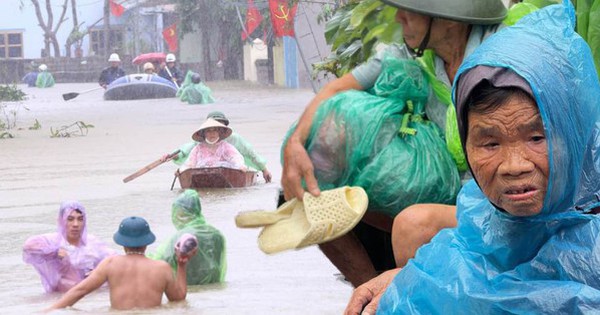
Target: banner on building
253, 20
282, 17
170, 36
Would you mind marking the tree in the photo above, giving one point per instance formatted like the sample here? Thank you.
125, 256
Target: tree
220, 29
48, 26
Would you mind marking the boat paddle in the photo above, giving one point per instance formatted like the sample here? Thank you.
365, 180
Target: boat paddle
172, 79
72, 95
150, 166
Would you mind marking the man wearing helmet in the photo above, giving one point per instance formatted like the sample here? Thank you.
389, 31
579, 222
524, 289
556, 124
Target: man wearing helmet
451, 32
170, 72
111, 73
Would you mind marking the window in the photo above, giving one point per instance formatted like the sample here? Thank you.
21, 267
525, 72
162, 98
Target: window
11, 44
97, 41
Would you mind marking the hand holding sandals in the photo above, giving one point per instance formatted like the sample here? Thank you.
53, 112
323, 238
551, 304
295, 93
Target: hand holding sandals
297, 166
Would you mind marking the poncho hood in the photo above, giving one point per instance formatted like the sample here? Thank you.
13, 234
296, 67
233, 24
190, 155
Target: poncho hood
186, 210
66, 208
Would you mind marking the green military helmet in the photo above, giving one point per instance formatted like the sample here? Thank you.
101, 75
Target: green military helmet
467, 11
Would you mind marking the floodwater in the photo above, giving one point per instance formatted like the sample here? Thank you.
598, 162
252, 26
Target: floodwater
38, 172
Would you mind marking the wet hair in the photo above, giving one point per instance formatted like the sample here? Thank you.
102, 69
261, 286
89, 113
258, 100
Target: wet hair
196, 78
486, 98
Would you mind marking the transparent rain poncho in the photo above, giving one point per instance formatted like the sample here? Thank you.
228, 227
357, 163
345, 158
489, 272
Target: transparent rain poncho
495, 263
253, 160
44, 80
194, 93
57, 274
209, 265
220, 154
381, 141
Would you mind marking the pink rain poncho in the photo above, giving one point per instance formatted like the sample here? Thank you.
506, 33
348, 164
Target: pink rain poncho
220, 154
58, 274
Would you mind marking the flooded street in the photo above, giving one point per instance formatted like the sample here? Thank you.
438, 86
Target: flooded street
38, 172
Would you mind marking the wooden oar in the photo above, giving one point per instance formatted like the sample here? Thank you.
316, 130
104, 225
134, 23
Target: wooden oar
150, 166
72, 95
172, 78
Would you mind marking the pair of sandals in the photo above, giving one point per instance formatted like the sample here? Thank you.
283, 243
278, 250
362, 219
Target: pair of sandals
315, 220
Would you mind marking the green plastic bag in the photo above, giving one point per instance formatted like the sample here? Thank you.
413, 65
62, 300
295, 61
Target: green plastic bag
209, 265
378, 140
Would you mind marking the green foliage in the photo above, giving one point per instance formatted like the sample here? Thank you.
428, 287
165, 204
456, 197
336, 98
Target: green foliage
11, 93
76, 129
354, 31
36, 126
9, 111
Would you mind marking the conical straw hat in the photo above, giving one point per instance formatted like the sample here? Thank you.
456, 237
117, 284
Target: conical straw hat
210, 123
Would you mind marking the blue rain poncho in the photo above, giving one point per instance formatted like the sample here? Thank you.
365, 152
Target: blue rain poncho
495, 263
209, 265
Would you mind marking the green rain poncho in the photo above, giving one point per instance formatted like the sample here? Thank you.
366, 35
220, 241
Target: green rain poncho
194, 93
44, 80
209, 265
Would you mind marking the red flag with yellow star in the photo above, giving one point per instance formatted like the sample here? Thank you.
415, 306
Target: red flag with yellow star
282, 17
115, 8
170, 36
253, 19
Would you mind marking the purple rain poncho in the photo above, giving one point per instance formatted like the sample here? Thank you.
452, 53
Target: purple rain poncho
58, 274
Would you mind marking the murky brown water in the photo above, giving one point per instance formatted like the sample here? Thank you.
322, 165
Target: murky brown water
38, 172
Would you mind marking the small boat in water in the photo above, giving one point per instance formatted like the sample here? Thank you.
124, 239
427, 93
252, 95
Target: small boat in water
139, 86
216, 177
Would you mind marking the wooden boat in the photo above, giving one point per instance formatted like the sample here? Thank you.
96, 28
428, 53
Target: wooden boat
216, 177
139, 86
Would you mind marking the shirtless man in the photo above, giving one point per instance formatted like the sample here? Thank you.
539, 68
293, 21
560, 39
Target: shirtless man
134, 280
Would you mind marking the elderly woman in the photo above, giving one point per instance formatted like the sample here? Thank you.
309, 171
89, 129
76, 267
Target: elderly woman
527, 234
209, 265
66, 257
211, 150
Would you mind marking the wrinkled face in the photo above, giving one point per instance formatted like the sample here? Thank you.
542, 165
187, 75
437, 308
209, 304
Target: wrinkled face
508, 154
414, 27
75, 225
211, 134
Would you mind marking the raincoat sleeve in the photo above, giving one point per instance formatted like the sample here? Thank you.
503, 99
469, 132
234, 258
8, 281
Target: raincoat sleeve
41, 251
251, 158
233, 156
192, 159
184, 153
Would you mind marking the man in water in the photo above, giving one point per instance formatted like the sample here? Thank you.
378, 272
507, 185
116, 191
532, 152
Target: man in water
134, 280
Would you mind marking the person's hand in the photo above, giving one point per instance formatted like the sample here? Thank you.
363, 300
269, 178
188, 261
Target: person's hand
165, 157
103, 86
184, 259
62, 253
297, 166
365, 298
267, 175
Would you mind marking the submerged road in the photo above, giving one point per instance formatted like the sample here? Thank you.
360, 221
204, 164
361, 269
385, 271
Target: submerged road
38, 172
